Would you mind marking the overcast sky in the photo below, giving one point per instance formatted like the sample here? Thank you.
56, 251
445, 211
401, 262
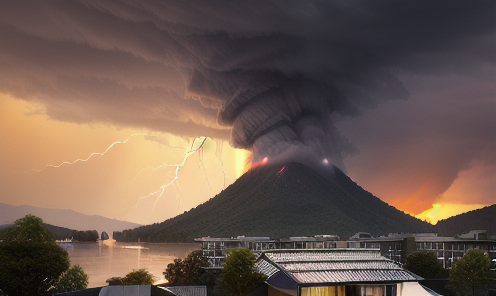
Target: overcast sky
401, 95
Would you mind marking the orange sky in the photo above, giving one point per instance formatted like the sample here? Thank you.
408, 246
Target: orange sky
115, 184
111, 184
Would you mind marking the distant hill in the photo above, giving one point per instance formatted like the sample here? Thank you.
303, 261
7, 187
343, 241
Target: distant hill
63, 218
282, 201
481, 219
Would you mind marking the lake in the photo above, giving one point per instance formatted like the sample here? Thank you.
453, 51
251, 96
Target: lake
101, 262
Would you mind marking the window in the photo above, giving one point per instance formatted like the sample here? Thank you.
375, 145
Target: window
371, 290
323, 291
355, 290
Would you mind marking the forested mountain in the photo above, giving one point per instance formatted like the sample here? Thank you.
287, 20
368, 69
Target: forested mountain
481, 219
282, 201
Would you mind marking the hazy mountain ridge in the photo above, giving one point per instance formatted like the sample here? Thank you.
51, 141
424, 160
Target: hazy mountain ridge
281, 201
64, 218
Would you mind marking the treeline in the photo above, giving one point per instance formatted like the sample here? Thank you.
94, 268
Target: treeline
62, 233
282, 201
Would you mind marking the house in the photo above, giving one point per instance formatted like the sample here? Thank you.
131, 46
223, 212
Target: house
336, 272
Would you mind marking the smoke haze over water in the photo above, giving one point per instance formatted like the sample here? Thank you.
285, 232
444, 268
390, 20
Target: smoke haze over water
273, 74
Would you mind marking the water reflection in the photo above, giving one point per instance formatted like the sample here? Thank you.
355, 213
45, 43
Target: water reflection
101, 262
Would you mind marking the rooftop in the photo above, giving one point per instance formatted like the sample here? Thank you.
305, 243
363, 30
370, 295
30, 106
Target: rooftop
333, 266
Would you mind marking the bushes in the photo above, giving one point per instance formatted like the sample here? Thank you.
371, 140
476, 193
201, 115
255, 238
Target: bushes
135, 277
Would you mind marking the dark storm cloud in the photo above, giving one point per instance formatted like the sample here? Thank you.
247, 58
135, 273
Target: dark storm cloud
277, 72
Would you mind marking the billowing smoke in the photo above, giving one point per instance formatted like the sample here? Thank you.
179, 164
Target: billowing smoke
277, 72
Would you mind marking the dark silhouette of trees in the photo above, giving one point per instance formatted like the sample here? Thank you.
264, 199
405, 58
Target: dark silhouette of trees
190, 271
424, 264
85, 236
30, 261
239, 276
470, 274
139, 277
135, 277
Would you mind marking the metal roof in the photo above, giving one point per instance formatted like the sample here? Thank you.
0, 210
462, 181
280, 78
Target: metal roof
333, 266
347, 276
323, 256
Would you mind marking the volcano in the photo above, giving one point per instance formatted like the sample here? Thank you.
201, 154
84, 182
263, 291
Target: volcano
282, 201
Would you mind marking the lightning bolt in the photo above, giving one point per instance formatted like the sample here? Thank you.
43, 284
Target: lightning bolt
85, 159
218, 154
191, 150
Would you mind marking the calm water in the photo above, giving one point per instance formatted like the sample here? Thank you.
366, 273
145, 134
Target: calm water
101, 262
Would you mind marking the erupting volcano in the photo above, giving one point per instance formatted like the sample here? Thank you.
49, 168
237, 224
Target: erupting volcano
281, 201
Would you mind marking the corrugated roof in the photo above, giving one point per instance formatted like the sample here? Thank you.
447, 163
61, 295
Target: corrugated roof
266, 268
188, 290
334, 266
311, 256
341, 276
345, 265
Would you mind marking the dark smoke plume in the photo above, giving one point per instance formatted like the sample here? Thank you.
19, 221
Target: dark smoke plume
277, 72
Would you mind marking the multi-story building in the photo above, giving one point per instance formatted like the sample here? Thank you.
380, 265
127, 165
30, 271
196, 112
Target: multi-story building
215, 249
395, 247
448, 249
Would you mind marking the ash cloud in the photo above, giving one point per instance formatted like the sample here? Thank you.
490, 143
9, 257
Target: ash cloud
274, 74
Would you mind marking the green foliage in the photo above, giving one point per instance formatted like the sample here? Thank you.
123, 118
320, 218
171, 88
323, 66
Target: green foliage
239, 276
469, 274
189, 272
135, 277
115, 281
30, 228
424, 264
72, 280
139, 277
30, 261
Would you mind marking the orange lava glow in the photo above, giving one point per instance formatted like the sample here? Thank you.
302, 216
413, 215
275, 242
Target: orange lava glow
440, 211
263, 162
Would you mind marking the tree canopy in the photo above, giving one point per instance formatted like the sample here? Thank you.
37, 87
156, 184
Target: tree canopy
189, 271
30, 228
135, 277
469, 274
239, 276
72, 280
424, 264
30, 261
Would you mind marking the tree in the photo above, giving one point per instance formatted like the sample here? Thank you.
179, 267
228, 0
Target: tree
135, 277
189, 271
30, 261
470, 273
239, 275
424, 264
138, 277
72, 280
115, 281
30, 228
